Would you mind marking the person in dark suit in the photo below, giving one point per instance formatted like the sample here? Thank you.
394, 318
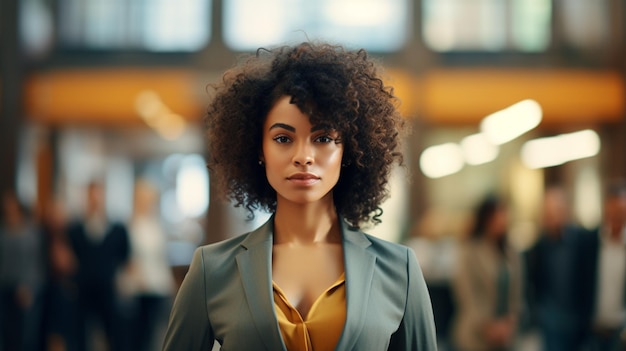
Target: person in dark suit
310, 133
609, 258
101, 248
559, 268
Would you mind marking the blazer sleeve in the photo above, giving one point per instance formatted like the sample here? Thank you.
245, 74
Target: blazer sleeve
417, 328
189, 327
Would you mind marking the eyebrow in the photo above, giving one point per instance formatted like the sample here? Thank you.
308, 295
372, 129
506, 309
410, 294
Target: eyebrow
284, 126
292, 129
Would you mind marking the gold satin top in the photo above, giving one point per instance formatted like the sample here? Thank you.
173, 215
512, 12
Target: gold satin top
324, 322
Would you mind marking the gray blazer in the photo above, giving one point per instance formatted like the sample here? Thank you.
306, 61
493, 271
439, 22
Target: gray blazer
227, 296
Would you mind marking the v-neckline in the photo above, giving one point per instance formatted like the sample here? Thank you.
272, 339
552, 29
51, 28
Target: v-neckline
283, 296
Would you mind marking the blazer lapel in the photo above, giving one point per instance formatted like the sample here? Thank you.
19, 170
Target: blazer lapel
359, 267
254, 266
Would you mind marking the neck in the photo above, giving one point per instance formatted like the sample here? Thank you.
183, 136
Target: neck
307, 224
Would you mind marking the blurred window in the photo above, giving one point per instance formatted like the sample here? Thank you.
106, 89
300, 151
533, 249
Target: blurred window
376, 25
152, 25
35, 26
487, 25
586, 24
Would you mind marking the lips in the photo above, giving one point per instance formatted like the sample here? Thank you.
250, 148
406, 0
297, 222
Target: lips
303, 178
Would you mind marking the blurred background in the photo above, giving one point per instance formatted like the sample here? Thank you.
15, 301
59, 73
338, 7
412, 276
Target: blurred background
503, 97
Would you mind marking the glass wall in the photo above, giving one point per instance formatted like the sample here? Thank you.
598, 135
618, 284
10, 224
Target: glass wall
487, 25
377, 25
152, 25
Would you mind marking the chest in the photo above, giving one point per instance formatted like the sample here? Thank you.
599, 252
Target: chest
241, 308
304, 273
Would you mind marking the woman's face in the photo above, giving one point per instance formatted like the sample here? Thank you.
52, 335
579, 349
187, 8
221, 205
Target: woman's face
302, 161
497, 226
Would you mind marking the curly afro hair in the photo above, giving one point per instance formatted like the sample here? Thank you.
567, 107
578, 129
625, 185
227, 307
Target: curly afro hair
336, 88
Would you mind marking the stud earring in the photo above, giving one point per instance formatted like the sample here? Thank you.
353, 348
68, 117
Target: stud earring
260, 162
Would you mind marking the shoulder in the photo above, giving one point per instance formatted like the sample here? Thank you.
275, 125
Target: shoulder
229, 248
219, 261
576, 231
581, 236
224, 247
470, 247
242, 242
392, 258
386, 252
118, 227
387, 249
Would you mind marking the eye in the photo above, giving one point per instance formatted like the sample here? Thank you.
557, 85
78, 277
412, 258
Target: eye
327, 136
324, 139
281, 139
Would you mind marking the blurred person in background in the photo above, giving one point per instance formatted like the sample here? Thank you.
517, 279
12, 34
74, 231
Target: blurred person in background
437, 251
61, 292
22, 276
101, 248
610, 273
148, 276
559, 267
487, 284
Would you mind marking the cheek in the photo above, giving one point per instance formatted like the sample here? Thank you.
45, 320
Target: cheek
338, 158
267, 154
274, 156
335, 159
274, 163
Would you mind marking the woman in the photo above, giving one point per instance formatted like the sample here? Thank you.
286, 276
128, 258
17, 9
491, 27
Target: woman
487, 284
309, 133
147, 276
22, 276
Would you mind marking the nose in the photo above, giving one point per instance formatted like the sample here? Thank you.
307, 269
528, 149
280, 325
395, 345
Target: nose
304, 154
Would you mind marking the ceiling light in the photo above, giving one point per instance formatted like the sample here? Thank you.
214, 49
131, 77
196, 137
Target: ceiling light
507, 124
441, 160
477, 149
556, 150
